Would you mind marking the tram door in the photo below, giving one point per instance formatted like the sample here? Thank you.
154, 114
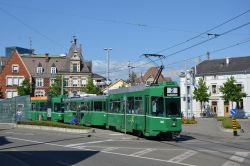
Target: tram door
146, 112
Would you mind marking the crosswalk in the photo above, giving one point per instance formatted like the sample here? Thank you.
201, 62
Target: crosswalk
182, 156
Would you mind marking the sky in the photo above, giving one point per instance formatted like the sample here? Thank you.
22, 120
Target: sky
180, 30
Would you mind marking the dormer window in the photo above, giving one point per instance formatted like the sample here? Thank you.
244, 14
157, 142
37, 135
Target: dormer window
53, 69
15, 68
39, 69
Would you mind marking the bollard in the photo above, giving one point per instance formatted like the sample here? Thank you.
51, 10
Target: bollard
234, 125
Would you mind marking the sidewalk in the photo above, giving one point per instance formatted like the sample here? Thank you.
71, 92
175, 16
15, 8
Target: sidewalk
210, 127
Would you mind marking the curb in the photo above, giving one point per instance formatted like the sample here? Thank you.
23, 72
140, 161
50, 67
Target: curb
46, 128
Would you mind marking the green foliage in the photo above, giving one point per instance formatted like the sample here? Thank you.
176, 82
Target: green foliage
51, 123
133, 78
227, 123
231, 91
25, 88
91, 88
201, 92
55, 88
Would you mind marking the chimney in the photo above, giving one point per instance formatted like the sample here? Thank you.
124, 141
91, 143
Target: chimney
46, 57
227, 61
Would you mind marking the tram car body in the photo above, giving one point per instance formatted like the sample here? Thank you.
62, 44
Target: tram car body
40, 105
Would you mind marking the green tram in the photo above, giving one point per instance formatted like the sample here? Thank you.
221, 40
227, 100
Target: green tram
88, 110
40, 105
150, 110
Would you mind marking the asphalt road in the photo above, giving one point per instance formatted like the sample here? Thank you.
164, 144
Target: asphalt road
25, 147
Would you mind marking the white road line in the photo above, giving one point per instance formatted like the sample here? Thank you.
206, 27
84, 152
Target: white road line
142, 152
183, 156
236, 159
109, 149
9, 132
120, 154
93, 142
117, 134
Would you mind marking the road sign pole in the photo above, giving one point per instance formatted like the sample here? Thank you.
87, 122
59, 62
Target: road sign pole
234, 125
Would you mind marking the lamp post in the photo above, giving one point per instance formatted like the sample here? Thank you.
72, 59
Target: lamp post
107, 80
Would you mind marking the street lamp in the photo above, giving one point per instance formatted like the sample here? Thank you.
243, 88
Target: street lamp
107, 80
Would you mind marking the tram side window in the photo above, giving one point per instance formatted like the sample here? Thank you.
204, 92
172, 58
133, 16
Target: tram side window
115, 106
58, 107
33, 107
157, 106
138, 105
131, 109
97, 106
43, 106
73, 106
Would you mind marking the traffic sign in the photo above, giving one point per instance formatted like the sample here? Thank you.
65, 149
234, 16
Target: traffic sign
232, 112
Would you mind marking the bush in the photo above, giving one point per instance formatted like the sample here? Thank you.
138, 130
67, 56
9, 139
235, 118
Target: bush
220, 118
227, 123
188, 121
51, 124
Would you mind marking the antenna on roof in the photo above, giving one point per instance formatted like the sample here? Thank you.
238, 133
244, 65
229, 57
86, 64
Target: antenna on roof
30, 45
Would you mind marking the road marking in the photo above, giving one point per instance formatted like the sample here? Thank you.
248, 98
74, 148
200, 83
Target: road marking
109, 149
183, 156
120, 154
9, 132
117, 134
142, 152
93, 142
236, 159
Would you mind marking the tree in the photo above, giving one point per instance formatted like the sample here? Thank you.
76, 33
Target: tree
91, 88
231, 91
55, 88
201, 93
25, 88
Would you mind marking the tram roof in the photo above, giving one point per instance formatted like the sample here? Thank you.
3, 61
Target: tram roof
86, 98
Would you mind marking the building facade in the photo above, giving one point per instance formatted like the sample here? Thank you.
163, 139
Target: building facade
12, 75
43, 69
215, 73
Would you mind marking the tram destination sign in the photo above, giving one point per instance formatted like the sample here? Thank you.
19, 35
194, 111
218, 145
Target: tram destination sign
172, 91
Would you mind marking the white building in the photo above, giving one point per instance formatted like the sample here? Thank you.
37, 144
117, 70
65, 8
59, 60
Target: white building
215, 73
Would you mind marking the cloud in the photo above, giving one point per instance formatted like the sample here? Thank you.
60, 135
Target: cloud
119, 69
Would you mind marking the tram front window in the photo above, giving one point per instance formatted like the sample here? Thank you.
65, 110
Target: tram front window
173, 107
157, 106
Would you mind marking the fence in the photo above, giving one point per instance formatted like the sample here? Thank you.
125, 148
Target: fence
15, 109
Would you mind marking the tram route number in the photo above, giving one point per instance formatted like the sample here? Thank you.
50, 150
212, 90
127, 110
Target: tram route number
171, 91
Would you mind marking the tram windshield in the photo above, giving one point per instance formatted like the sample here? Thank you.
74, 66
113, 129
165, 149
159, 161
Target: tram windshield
165, 107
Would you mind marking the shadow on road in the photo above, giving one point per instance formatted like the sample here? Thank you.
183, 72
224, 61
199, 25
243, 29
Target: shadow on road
3, 141
42, 158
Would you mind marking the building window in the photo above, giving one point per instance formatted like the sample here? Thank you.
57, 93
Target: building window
75, 81
39, 93
214, 89
53, 70
39, 82
20, 82
188, 89
83, 82
39, 70
15, 80
52, 81
66, 81
10, 94
15, 68
74, 67
9, 81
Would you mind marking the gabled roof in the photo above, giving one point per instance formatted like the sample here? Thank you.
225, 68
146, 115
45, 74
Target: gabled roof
97, 76
220, 66
85, 67
34, 61
151, 73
